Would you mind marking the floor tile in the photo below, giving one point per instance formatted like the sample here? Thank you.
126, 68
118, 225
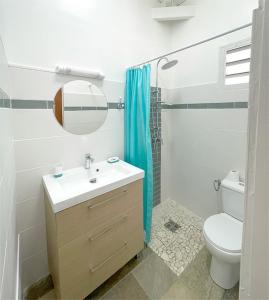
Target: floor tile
119, 275
195, 282
178, 248
154, 276
175, 265
127, 288
232, 294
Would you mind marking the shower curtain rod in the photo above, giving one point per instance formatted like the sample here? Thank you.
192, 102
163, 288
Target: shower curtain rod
195, 44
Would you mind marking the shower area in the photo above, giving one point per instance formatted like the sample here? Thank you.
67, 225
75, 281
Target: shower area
156, 129
198, 123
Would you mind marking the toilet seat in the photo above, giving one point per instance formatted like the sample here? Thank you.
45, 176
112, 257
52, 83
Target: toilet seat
224, 232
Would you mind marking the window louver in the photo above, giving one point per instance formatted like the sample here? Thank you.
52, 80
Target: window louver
238, 65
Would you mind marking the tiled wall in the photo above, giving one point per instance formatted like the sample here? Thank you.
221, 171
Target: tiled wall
40, 143
8, 234
155, 123
205, 136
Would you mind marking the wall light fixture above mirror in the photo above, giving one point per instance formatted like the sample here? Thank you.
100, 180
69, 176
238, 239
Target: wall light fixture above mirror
80, 107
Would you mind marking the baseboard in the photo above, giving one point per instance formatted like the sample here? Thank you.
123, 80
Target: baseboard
18, 273
39, 288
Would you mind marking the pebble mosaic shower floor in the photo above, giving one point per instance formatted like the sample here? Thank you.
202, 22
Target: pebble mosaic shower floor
178, 248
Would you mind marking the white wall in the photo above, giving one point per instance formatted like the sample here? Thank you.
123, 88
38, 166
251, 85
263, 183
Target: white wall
40, 144
106, 35
254, 275
46, 33
212, 18
200, 64
201, 145
8, 234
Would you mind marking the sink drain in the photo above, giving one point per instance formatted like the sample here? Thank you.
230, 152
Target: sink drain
93, 180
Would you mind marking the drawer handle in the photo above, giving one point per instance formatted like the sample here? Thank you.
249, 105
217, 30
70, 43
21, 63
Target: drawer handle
108, 200
108, 229
97, 267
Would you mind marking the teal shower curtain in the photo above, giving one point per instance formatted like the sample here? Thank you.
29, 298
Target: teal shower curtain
137, 143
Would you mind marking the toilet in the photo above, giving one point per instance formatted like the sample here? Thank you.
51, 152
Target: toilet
223, 234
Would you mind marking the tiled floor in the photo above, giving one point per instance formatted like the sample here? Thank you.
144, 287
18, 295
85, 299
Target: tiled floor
154, 275
145, 277
176, 249
196, 283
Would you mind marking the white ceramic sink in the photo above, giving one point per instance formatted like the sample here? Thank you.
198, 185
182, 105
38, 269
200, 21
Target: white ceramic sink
75, 185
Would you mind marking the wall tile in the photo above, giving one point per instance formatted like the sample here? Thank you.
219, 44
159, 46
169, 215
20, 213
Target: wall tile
33, 240
211, 92
34, 268
8, 234
30, 213
205, 146
68, 150
29, 183
40, 143
156, 129
35, 123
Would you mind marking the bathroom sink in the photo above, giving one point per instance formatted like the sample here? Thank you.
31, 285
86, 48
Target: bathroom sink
78, 185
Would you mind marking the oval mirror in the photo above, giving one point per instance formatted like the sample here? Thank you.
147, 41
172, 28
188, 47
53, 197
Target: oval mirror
80, 107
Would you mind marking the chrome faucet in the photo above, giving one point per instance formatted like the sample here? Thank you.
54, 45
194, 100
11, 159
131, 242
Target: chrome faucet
88, 160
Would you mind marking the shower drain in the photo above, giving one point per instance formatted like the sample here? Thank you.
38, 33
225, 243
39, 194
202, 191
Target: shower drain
172, 226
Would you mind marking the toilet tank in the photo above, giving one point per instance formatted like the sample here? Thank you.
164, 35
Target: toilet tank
232, 194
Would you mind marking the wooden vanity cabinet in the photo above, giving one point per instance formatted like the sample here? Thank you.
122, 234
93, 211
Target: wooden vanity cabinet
89, 242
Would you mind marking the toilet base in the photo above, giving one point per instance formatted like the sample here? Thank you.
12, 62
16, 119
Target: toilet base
224, 274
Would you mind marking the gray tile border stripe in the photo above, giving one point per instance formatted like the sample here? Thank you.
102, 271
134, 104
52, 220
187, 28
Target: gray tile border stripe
4, 103
197, 105
50, 104
240, 104
220, 105
215, 105
73, 108
44, 104
89, 108
113, 105
7, 103
29, 104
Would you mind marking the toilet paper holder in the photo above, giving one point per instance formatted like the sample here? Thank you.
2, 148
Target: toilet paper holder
217, 184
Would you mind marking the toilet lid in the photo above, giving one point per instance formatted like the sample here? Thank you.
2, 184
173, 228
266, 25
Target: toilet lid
225, 232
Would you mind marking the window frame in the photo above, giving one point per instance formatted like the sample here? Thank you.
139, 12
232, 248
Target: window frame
223, 53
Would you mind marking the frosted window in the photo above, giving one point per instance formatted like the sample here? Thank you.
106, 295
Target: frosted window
237, 65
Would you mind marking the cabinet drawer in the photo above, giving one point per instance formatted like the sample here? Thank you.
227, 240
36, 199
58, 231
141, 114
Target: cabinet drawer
88, 216
79, 282
106, 242
94, 249
111, 205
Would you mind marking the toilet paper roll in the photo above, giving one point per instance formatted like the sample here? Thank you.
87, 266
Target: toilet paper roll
233, 176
